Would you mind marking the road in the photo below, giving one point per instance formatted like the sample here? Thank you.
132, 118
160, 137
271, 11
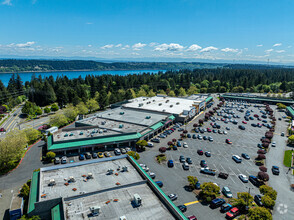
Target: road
13, 120
35, 123
284, 204
14, 180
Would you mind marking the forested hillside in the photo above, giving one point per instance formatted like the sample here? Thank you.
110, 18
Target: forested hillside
108, 89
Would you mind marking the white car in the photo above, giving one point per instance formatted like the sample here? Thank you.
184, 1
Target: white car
152, 175
243, 178
172, 197
117, 151
225, 132
274, 144
185, 145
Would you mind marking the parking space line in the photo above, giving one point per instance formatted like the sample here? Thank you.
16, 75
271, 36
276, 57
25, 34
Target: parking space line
191, 203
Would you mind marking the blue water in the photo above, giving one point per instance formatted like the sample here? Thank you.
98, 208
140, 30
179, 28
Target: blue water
4, 77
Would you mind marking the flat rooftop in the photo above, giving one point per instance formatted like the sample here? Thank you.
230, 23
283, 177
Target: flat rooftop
113, 193
145, 118
16, 202
151, 207
198, 97
172, 105
101, 180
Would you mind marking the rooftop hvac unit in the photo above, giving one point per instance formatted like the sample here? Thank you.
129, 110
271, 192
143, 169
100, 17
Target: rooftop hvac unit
52, 182
148, 117
90, 176
167, 101
137, 199
163, 110
171, 106
177, 103
160, 104
125, 169
121, 126
95, 210
71, 179
121, 113
153, 100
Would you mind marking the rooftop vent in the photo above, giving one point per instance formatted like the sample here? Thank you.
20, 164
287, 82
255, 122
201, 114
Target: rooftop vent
124, 169
90, 176
95, 210
121, 126
121, 113
71, 179
153, 100
81, 133
148, 117
160, 104
171, 106
137, 200
177, 103
141, 104
163, 110
66, 135
166, 101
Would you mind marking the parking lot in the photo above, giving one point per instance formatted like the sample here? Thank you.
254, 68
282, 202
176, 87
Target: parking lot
175, 179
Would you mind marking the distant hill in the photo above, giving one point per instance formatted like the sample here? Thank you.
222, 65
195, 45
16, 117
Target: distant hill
38, 65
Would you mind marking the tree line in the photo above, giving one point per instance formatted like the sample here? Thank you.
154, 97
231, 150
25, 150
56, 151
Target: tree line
107, 89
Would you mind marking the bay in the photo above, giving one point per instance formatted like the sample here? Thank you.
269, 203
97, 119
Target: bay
4, 77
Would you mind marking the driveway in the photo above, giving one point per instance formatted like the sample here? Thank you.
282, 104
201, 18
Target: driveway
284, 204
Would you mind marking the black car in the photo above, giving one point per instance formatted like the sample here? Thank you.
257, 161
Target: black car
182, 159
204, 137
253, 125
188, 160
241, 127
188, 135
275, 170
254, 180
257, 200
155, 140
183, 208
203, 163
217, 203
194, 136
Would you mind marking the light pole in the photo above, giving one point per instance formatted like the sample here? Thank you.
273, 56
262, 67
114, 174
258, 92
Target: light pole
247, 198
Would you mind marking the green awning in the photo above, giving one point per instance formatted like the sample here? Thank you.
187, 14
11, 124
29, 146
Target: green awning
55, 213
208, 99
93, 141
290, 110
156, 126
264, 99
34, 191
172, 117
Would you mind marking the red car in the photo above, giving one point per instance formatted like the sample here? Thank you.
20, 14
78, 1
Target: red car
2, 130
200, 152
211, 123
232, 213
256, 116
208, 130
192, 217
228, 141
223, 119
244, 122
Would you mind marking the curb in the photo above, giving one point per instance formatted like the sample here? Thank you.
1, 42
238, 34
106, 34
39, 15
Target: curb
24, 156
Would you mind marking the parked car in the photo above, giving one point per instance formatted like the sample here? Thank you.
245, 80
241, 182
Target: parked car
159, 183
107, 154
205, 138
217, 203
207, 153
237, 159
88, 155
183, 208
203, 163
207, 171
241, 127
228, 141
246, 156
82, 157
275, 170
254, 180
182, 159
152, 175
172, 197
232, 213
123, 150
194, 136
185, 145
170, 163
100, 154
200, 152
117, 151
192, 217
226, 207
223, 175
155, 140
188, 135
57, 160
185, 166
227, 192
243, 178
188, 160
257, 200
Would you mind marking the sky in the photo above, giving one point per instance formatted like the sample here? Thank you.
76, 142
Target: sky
233, 30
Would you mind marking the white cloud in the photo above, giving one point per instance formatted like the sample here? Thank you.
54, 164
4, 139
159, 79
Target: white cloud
107, 46
269, 50
169, 47
125, 47
27, 44
138, 46
259, 45
277, 45
89, 23
135, 54
118, 45
194, 47
289, 46
280, 51
229, 50
152, 44
208, 49
7, 2
89, 45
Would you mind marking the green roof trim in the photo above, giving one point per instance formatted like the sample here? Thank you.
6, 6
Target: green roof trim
156, 126
159, 189
291, 110
34, 191
93, 141
208, 99
265, 99
172, 117
55, 213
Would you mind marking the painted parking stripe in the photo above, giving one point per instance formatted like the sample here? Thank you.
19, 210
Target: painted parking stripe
191, 203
